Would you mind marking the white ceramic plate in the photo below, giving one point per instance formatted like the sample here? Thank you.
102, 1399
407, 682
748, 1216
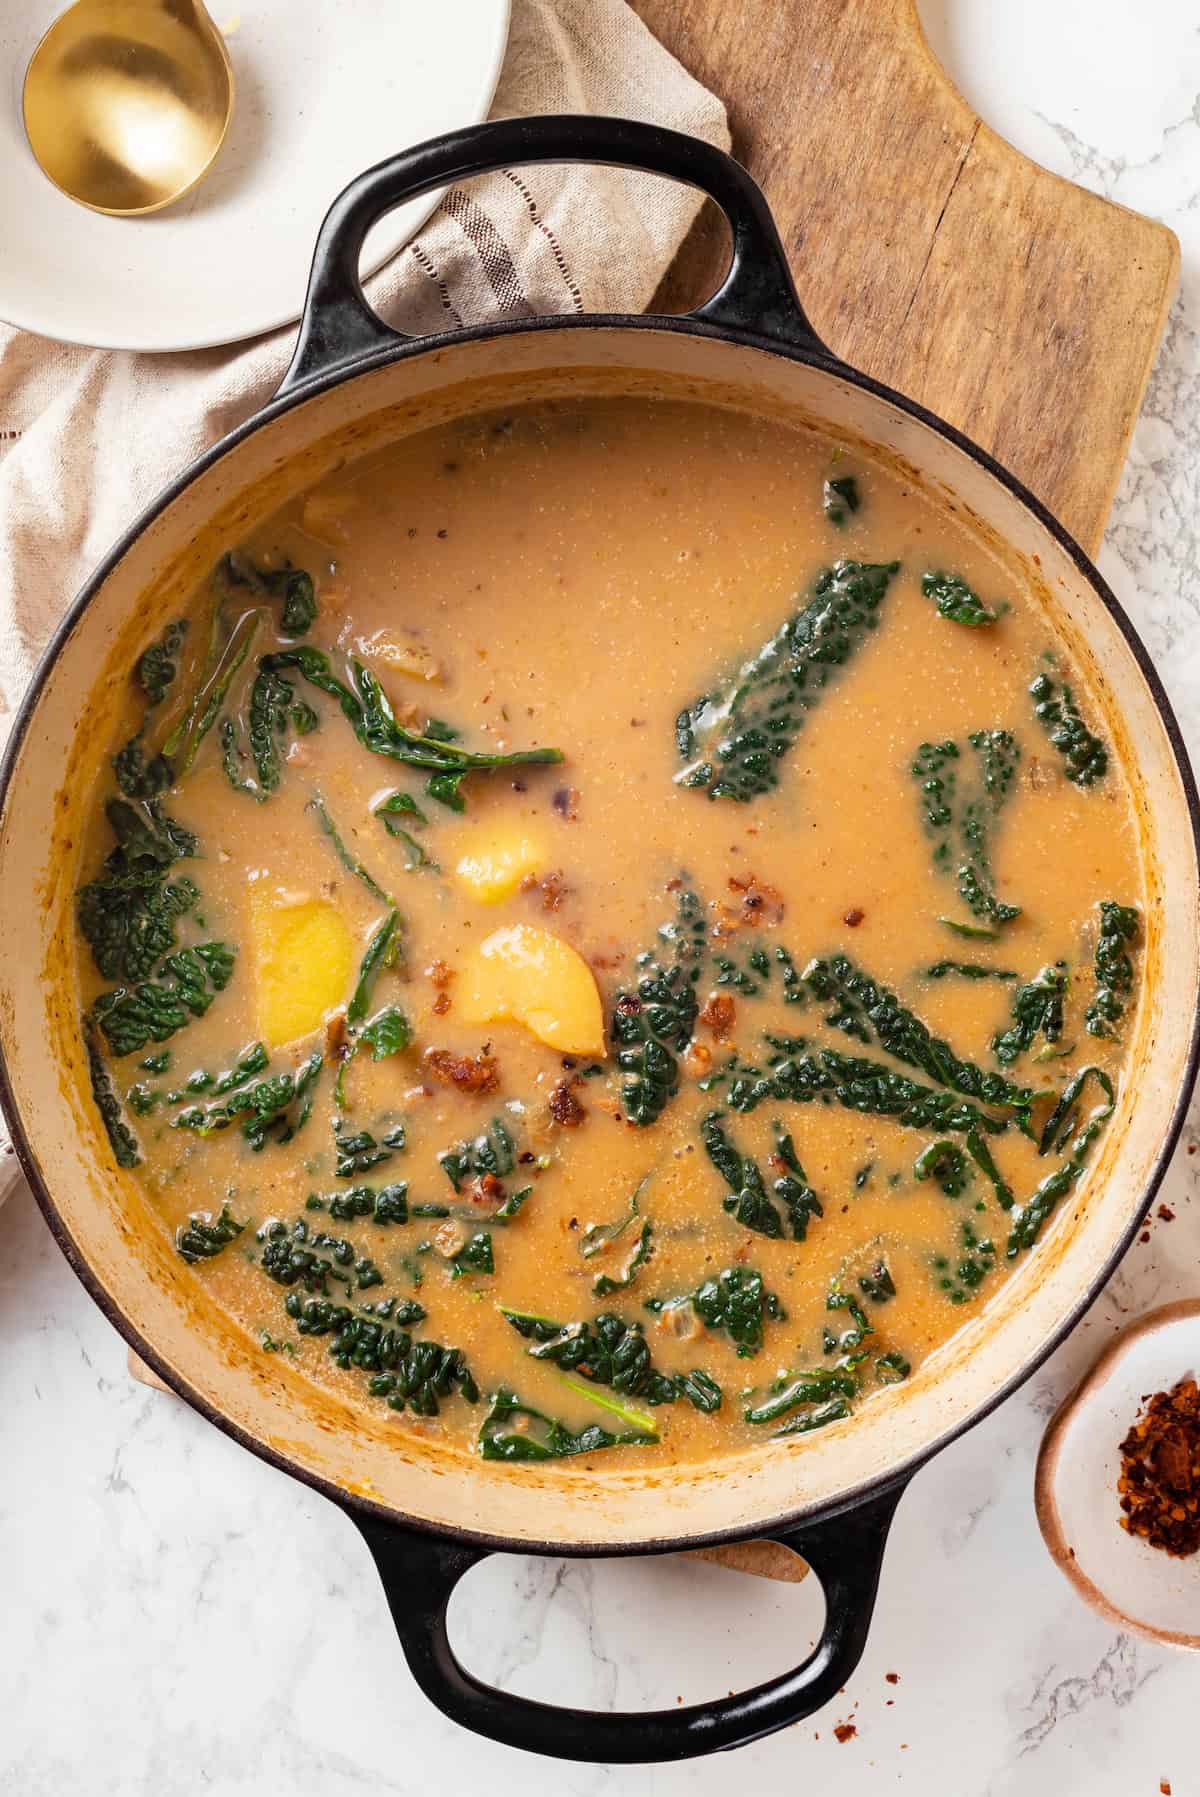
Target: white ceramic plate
325, 88
1130, 1583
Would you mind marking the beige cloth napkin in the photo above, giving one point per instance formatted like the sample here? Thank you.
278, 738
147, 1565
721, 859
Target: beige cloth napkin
88, 437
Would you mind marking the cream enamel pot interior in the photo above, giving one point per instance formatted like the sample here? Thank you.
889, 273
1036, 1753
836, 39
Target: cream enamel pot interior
354, 386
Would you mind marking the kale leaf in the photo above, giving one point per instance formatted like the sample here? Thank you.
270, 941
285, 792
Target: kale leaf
1037, 1008
121, 1138
734, 737
188, 980
1084, 754
514, 1432
203, 1236
128, 914
749, 1202
1114, 967
870, 1013
956, 601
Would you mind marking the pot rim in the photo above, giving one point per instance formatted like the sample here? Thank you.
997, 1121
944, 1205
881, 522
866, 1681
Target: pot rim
823, 361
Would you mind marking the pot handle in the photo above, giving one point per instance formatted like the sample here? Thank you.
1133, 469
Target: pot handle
419, 1574
339, 328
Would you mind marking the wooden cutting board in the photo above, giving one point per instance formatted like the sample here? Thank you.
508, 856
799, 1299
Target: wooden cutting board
930, 254
926, 250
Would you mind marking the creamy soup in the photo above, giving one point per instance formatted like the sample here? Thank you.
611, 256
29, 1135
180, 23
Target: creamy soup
611, 926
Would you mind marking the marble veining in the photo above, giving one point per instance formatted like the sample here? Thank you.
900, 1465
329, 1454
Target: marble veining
181, 1620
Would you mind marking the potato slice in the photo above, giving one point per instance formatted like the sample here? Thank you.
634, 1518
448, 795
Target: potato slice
303, 956
403, 654
533, 977
496, 861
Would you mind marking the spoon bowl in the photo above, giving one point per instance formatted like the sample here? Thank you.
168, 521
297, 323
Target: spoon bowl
127, 102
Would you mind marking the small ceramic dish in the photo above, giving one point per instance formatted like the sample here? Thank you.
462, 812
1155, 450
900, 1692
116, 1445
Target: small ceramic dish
1130, 1583
321, 92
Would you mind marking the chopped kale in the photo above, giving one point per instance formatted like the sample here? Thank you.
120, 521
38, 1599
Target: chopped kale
290, 587
512, 1431
357, 1151
946, 1164
128, 914
791, 1201
1084, 754
1062, 1132
202, 1236
821, 1392
1114, 967
189, 979
652, 1023
367, 709
403, 805
158, 665
961, 818
871, 1013
877, 1283
382, 1205
348, 860
1037, 1009
734, 737
387, 1033
737, 1301
609, 1351
493, 1151
121, 1138
272, 1109
381, 951
474, 1256
956, 601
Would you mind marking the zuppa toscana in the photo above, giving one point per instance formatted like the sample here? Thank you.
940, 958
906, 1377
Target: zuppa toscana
612, 925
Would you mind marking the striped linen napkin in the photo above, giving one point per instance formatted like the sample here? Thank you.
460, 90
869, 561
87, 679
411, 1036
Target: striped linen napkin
88, 437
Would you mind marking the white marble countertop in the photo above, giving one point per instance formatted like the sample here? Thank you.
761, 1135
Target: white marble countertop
179, 1619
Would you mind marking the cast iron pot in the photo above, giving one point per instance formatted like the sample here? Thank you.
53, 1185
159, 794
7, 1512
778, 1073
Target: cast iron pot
427, 1514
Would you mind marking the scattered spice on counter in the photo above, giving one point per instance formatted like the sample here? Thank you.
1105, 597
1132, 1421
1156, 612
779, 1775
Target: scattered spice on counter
893, 1678
1164, 1785
1159, 1485
845, 1731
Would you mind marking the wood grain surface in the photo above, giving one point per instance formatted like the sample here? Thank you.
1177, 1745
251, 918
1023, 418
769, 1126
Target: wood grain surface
926, 250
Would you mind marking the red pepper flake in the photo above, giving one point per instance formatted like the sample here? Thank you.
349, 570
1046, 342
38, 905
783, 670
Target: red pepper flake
845, 1731
1166, 1214
1164, 1785
1159, 1486
893, 1678
1145, 1236
854, 917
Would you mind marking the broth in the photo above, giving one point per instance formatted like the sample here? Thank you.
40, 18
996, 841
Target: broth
659, 1033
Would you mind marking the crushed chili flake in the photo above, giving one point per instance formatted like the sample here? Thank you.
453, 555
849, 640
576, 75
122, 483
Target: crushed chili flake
1164, 1786
565, 800
845, 1731
1166, 1214
1159, 1485
893, 1678
854, 917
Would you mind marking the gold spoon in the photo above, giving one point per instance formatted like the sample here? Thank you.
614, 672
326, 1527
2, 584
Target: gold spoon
127, 102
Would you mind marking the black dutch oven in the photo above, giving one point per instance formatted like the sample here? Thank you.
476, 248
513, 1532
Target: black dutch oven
353, 386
